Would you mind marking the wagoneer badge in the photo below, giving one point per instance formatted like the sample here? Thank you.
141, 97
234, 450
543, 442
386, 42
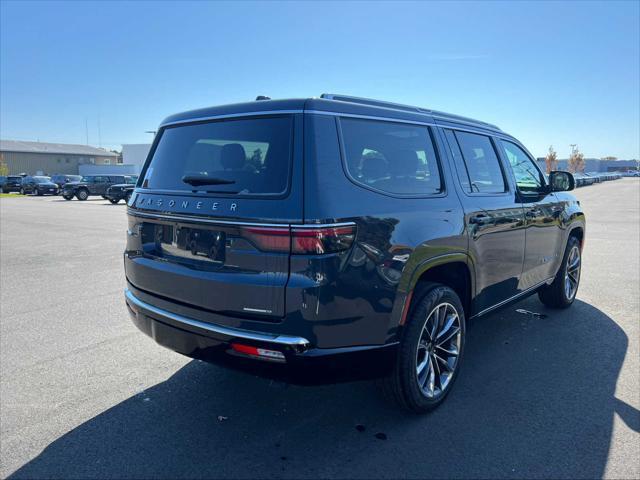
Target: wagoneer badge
180, 204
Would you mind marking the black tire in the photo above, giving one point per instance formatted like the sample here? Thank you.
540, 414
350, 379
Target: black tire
22, 191
36, 191
558, 294
104, 197
82, 194
402, 385
113, 201
67, 197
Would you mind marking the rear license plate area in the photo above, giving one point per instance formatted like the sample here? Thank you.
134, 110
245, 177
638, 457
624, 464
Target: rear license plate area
184, 244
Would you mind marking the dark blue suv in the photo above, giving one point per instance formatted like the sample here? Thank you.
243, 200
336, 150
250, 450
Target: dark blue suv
336, 238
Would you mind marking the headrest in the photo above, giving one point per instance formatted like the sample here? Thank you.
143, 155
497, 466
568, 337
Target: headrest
374, 168
233, 156
404, 162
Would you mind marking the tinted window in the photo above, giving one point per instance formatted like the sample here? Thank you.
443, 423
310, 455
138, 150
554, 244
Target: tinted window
528, 177
88, 179
391, 157
42, 179
459, 161
247, 156
481, 163
116, 179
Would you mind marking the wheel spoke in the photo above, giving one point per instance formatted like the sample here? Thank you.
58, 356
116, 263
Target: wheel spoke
443, 362
451, 351
431, 380
436, 369
447, 325
575, 263
435, 315
423, 363
449, 336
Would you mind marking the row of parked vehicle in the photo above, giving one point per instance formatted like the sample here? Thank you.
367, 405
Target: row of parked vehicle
584, 179
110, 187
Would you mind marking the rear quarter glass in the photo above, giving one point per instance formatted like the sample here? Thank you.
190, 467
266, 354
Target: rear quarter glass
248, 156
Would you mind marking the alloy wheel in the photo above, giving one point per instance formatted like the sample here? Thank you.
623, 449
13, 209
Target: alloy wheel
572, 273
438, 350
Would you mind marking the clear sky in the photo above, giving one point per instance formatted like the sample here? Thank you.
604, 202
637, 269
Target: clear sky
547, 72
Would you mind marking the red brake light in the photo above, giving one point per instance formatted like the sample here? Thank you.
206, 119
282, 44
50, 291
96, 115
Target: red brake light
302, 240
317, 241
269, 239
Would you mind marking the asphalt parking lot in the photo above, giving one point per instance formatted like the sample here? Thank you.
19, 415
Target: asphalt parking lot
84, 394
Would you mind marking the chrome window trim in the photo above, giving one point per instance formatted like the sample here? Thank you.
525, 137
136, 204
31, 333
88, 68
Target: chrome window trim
298, 343
417, 122
189, 218
229, 115
370, 117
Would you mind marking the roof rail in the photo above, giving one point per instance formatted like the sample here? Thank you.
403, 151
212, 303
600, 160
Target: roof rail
369, 101
406, 108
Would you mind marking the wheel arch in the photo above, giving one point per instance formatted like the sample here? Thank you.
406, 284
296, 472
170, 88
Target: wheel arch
454, 270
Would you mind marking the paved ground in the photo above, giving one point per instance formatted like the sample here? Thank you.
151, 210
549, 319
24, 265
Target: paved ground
84, 394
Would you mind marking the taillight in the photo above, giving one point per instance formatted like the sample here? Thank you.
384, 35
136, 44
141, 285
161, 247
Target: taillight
317, 241
302, 240
269, 239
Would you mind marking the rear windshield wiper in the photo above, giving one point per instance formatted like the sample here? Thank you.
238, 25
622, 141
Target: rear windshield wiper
198, 180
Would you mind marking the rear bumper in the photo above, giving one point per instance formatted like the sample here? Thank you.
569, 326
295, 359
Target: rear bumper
303, 363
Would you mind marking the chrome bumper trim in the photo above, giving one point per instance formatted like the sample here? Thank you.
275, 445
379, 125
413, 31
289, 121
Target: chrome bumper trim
297, 343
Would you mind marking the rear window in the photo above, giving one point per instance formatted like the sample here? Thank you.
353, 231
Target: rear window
243, 156
391, 157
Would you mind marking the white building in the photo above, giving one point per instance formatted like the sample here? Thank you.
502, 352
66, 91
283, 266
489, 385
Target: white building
135, 154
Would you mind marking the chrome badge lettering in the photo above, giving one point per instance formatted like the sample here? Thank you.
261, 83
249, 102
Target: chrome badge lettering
185, 204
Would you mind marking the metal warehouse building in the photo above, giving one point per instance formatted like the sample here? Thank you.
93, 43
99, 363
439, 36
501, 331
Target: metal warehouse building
38, 158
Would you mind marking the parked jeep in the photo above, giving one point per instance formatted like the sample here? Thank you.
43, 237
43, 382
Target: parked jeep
91, 185
337, 238
62, 180
122, 191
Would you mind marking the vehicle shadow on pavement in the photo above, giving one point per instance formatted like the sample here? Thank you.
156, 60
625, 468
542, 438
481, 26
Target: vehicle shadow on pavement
536, 398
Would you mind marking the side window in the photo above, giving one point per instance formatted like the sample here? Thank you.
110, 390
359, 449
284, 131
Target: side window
391, 157
528, 177
100, 180
481, 163
463, 175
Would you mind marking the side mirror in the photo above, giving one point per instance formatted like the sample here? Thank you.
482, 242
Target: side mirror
561, 181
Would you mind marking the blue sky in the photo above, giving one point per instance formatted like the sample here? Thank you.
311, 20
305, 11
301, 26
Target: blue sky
547, 72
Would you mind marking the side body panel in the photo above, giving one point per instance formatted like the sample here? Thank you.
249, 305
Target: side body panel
496, 229
357, 298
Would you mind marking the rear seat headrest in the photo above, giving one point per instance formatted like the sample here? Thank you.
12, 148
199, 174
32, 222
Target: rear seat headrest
233, 156
374, 168
404, 162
